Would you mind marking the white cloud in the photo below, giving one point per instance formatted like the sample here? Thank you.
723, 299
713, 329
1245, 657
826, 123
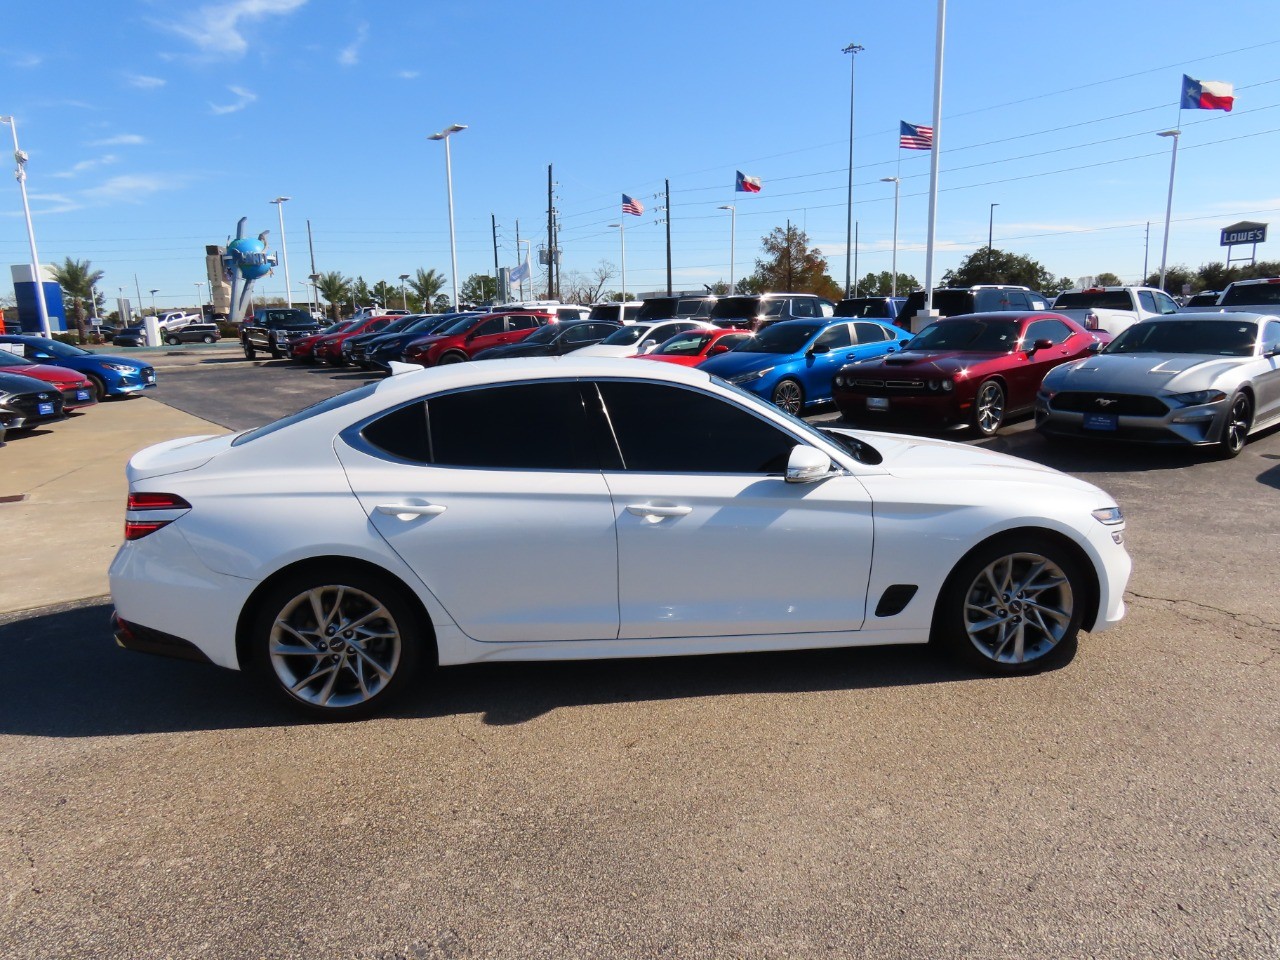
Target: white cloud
216, 28
43, 203
120, 140
132, 187
244, 98
143, 82
350, 54
85, 165
27, 60
408, 74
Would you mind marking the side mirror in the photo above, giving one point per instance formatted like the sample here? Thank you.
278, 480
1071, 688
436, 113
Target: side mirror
904, 344
717, 349
819, 348
807, 464
1093, 347
1042, 344
648, 346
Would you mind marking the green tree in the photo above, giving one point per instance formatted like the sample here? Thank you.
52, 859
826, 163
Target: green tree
881, 284
383, 292
335, 288
790, 265
441, 303
1216, 276
478, 288
1174, 278
1107, 279
1001, 266
360, 292
426, 284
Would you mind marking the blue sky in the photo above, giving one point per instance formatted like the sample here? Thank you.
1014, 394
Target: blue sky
153, 126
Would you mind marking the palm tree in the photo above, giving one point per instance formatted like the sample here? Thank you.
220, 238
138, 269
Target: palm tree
77, 280
426, 285
335, 288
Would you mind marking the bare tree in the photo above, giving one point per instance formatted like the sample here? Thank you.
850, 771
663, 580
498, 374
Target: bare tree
587, 288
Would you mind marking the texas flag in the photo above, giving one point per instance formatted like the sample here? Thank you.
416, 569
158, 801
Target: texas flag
1206, 94
747, 184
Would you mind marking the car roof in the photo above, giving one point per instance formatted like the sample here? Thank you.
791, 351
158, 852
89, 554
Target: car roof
1254, 280
1225, 316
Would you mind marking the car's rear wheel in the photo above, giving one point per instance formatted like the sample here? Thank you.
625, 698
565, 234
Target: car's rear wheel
1236, 430
1013, 605
453, 356
988, 409
338, 645
249, 352
207, 338
788, 395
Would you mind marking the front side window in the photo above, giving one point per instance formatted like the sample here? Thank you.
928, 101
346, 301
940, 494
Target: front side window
773, 308
834, 337
665, 429
491, 326
1052, 330
1165, 303
801, 307
1271, 336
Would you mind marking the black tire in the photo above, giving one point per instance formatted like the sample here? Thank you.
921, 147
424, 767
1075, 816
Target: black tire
788, 395
172, 341
249, 352
1236, 429
321, 650
207, 338
98, 387
1031, 627
988, 409
453, 356
277, 354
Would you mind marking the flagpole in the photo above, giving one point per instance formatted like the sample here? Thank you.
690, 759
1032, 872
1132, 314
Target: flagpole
854, 49
1176, 134
933, 160
622, 235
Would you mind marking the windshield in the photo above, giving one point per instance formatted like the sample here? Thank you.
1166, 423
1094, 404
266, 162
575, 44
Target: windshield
1215, 338
981, 336
785, 337
863, 307
337, 327
626, 336
458, 326
1252, 293
57, 348
402, 323
685, 344
548, 333
604, 311
1089, 299
736, 308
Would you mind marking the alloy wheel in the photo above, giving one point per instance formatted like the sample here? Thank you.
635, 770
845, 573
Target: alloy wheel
787, 396
988, 411
1018, 608
1237, 428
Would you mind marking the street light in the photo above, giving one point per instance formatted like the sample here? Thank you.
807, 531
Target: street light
733, 234
991, 219
855, 49
404, 296
1168, 210
284, 249
622, 235
20, 173
448, 176
153, 301
893, 270
200, 297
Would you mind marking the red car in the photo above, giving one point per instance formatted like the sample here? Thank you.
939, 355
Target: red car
328, 348
303, 349
75, 387
976, 369
471, 334
693, 346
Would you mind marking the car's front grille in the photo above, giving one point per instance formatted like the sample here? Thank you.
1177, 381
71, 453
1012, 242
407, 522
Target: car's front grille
28, 404
1122, 404
878, 387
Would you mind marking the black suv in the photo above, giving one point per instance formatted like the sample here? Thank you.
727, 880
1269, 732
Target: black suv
675, 308
980, 298
272, 329
758, 312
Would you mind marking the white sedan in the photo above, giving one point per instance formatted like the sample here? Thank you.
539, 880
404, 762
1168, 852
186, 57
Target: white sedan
637, 339
530, 510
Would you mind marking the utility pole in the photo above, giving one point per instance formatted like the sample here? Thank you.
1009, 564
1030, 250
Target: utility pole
855, 261
667, 185
854, 49
788, 255
311, 247
518, 264
494, 223
1146, 247
551, 240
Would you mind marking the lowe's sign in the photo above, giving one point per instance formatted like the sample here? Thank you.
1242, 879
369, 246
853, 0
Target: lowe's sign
1243, 232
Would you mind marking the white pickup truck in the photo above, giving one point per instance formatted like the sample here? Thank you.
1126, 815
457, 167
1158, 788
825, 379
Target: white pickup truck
1113, 309
176, 319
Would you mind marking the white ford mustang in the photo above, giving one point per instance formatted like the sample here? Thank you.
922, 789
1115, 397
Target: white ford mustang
566, 508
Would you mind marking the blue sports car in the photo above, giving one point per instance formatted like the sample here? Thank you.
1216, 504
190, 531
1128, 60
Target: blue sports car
111, 376
792, 363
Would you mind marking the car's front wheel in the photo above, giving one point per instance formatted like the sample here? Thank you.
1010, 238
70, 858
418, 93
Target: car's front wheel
249, 352
988, 409
788, 395
1013, 605
453, 356
97, 386
337, 645
172, 341
1236, 429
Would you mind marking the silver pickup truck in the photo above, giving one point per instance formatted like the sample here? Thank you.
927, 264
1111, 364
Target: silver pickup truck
1113, 309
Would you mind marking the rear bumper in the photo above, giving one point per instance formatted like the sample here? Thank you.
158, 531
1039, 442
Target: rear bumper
134, 636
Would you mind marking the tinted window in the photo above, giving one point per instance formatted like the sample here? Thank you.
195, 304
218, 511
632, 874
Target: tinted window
1271, 336
834, 337
1252, 293
1147, 301
684, 345
521, 322
1016, 300
1212, 337
1165, 303
781, 337
736, 308
530, 426
772, 308
1088, 299
871, 332
490, 326
402, 433
626, 336
998, 336
664, 429
804, 308
1054, 330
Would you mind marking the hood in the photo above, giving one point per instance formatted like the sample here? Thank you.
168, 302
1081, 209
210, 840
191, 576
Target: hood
737, 362
175, 456
112, 358
607, 350
49, 372
937, 361
1142, 373
516, 350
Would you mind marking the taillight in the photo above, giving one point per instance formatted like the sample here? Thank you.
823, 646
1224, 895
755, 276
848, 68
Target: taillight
135, 529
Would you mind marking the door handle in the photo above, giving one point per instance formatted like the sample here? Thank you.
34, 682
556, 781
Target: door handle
407, 511
653, 510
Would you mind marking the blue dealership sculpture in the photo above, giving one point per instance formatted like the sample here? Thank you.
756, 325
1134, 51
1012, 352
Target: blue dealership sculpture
245, 261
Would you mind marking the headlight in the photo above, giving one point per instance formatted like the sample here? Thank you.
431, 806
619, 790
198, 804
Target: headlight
119, 367
1108, 515
947, 386
1199, 396
839, 380
748, 377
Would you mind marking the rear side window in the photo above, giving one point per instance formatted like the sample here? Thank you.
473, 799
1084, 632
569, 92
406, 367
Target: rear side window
871, 332
665, 429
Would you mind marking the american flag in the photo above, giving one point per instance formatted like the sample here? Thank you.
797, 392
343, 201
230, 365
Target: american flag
914, 137
632, 206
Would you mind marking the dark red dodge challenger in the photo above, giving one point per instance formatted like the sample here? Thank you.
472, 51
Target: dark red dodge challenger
974, 370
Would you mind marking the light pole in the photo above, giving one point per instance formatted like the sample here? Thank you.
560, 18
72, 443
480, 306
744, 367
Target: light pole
315, 289
153, 301
1168, 210
284, 249
20, 173
893, 269
622, 235
404, 296
733, 234
200, 297
448, 176
991, 219
854, 49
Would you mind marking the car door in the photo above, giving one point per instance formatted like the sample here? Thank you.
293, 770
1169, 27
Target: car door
495, 498
490, 332
1065, 346
832, 349
712, 540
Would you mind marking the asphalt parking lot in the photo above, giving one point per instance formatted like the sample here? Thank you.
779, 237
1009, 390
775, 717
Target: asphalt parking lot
865, 803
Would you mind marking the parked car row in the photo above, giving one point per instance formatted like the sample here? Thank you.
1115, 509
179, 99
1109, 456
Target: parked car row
42, 380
